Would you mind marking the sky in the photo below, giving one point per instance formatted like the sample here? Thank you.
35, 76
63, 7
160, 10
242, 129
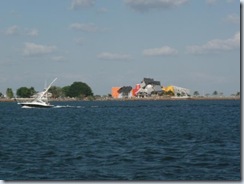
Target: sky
186, 43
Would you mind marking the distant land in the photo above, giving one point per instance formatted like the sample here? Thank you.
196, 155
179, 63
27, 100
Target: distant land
127, 99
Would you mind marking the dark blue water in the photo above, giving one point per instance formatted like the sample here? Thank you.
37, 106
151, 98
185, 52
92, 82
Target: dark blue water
129, 140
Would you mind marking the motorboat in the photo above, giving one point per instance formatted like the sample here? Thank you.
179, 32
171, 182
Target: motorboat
38, 104
40, 101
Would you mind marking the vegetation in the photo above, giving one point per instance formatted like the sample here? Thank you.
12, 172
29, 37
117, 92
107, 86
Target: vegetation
25, 92
65, 90
215, 93
56, 91
196, 93
237, 94
9, 93
79, 89
170, 93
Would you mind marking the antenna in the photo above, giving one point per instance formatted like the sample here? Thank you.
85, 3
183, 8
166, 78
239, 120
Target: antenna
45, 84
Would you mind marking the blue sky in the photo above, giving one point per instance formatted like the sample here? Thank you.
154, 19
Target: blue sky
187, 43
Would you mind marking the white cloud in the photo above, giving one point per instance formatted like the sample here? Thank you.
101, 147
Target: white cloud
233, 18
113, 56
81, 4
163, 51
102, 10
145, 5
13, 30
32, 32
16, 30
216, 45
58, 58
211, 2
79, 41
32, 49
84, 27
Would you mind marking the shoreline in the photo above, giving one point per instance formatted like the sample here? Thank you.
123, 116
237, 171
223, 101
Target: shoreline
128, 99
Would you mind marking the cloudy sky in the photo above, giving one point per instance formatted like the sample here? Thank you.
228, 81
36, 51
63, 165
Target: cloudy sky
187, 43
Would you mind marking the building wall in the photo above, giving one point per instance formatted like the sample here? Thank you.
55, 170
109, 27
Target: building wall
135, 90
176, 89
115, 93
169, 88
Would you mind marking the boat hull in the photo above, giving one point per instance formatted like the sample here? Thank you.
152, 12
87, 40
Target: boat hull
36, 105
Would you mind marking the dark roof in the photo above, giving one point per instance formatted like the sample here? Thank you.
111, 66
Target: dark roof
151, 81
125, 89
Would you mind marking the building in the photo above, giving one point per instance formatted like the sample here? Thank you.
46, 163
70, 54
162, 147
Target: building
115, 93
122, 92
125, 92
176, 91
149, 87
135, 90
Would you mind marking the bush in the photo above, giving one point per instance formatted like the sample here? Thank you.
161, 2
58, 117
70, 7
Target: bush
80, 90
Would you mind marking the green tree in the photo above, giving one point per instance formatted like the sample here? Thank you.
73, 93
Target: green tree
24, 92
32, 91
215, 93
109, 95
170, 93
79, 89
1, 95
65, 91
196, 93
221, 94
9, 93
56, 91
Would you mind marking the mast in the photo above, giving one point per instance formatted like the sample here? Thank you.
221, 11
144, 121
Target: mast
39, 97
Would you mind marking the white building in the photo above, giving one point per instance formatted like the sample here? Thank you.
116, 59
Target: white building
148, 87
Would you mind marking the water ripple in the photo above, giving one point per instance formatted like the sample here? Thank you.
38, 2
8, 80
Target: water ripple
147, 140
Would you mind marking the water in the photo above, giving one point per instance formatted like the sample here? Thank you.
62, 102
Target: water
125, 140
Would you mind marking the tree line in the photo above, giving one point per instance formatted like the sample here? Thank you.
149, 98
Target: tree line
76, 90
215, 93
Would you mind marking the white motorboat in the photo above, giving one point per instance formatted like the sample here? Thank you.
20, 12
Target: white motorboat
41, 100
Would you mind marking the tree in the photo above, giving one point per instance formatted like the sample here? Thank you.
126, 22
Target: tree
196, 93
79, 89
65, 91
170, 93
9, 93
1, 95
32, 91
215, 93
56, 91
109, 95
25, 92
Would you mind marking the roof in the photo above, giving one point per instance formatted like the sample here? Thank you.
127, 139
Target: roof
150, 81
125, 89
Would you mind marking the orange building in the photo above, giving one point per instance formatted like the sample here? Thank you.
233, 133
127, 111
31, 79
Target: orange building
115, 93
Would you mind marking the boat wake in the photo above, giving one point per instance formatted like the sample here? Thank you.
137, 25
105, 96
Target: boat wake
60, 106
68, 106
27, 107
